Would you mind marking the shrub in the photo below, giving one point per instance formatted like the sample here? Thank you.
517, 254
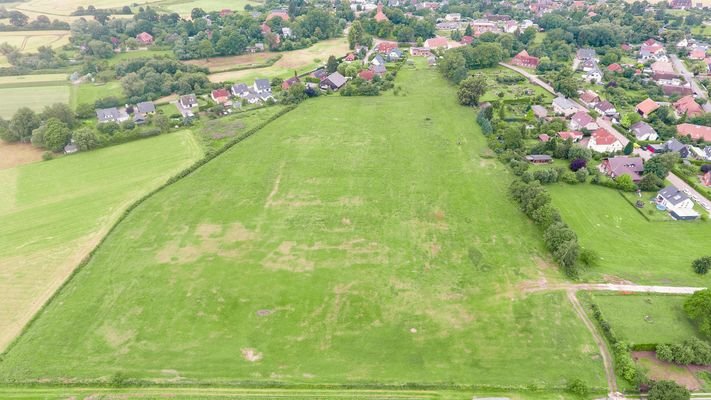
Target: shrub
577, 387
667, 390
569, 177
47, 155
702, 265
581, 175
578, 164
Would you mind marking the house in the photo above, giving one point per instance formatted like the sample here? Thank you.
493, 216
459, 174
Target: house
687, 105
643, 131
385, 47
589, 98
605, 108
453, 17
394, 54
663, 70
593, 76
366, 75
145, 38
186, 104
239, 89
674, 146
377, 60
676, 89
652, 50
618, 166
286, 32
420, 52
539, 159
145, 107
586, 54
380, 15
482, 26
438, 42
603, 141
522, 59
674, 199
262, 85
582, 120
290, 82
320, 74
697, 54
575, 136
615, 68
350, 57
379, 70
543, 137
587, 65
334, 81
112, 114
467, 39
680, 4
697, 153
563, 106
696, 132
220, 96
647, 107
539, 112
283, 14
139, 118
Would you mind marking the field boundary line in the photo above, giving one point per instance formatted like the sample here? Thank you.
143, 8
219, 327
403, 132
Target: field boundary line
209, 156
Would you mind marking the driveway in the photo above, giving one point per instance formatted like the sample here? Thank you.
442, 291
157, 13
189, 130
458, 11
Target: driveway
698, 89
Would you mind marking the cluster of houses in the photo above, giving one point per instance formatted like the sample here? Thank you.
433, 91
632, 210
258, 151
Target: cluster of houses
138, 113
587, 62
490, 23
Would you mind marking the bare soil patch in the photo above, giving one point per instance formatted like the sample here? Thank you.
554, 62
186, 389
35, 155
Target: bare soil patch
210, 239
662, 370
14, 154
251, 355
216, 64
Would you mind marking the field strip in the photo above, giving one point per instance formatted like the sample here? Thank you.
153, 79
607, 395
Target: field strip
610, 287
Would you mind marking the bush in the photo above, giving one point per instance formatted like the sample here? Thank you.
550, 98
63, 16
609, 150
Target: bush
691, 351
569, 177
577, 387
47, 155
578, 164
667, 390
702, 265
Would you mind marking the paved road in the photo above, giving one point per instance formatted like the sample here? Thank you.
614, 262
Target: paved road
680, 184
698, 89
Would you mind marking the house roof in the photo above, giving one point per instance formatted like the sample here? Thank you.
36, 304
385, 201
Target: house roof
563, 103
240, 88
385, 47
674, 145
378, 69
565, 135
283, 14
145, 107
436, 42
539, 111
632, 166
144, 37
543, 137
648, 106
539, 157
585, 54
366, 75
262, 83
695, 131
336, 79
188, 98
663, 67
641, 129
614, 67
605, 106
378, 59
602, 136
673, 195
107, 114
589, 96
582, 118
687, 105
222, 92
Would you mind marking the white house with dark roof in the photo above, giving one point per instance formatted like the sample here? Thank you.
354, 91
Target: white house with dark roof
262, 85
146, 107
643, 131
677, 202
240, 89
563, 106
112, 114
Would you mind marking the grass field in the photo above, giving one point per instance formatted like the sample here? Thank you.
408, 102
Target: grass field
88, 92
511, 92
184, 7
303, 60
53, 213
630, 247
215, 133
36, 98
130, 55
29, 41
641, 319
353, 240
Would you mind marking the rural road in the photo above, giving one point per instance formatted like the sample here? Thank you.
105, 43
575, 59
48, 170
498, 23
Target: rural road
697, 89
613, 287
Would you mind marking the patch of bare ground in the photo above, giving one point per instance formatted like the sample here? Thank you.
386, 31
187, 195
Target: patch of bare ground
251, 355
662, 370
216, 64
208, 239
14, 154
616, 280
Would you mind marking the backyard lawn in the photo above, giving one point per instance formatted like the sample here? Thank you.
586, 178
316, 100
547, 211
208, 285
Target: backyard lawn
330, 247
510, 91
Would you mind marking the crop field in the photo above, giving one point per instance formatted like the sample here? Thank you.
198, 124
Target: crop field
184, 7
52, 213
644, 319
367, 246
303, 60
29, 41
629, 246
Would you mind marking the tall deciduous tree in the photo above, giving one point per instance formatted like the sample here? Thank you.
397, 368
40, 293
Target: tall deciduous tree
22, 124
355, 35
471, 89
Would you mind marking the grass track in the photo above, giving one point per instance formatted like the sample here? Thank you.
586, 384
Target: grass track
377, 243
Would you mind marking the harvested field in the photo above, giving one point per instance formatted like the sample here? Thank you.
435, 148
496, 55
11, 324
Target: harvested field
29, 41
14, 154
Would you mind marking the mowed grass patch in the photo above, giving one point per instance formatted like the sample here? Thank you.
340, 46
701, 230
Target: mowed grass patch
216, 133
88, 92
35, 97
53, 213
629, 246
299, 61
184, 7
354, 240
645, 318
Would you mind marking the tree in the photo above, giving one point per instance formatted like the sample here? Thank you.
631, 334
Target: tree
355, 35
471, 89
650, 183
53, 135
17, 18
698, 308
23, 123
528, 35
656, 166
205, 49
453, 66
625, 183
702, 265
667, 390
85, 139
60, 111
628, 148
161, 122
331, 64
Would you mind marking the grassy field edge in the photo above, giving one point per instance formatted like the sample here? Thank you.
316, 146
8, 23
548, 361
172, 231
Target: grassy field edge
177, 177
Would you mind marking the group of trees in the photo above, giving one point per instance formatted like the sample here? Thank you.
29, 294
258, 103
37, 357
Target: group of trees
21, 22
691, 351
149, 78
400, 27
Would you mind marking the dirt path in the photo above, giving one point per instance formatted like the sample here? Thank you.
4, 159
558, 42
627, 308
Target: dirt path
599, 340
539, 286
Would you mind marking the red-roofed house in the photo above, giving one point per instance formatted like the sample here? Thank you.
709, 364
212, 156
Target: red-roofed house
687, 105
616, 68
603, 141
697, 54
696, 132
467, 40
349, 57
437, 42
290, 82
543, 137
706, 179
366, 75
220, 96
575, 136
283, 14
380, 15
522, 59
145, 38
265, 29
225, 12
589, 98
386, 47
647, 107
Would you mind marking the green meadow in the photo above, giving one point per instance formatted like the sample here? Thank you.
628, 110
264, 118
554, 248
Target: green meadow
354, 240
629, 246
53, 213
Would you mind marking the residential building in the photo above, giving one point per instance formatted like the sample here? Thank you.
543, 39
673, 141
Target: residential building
543, 137
385, 47
618, 166
334, 81
674, 199
647, 107
112, 114
539, 159
605, 108
262, 85
220, 96
695, 132
145, 107
380, 15
523, 59
582, 120
575, 136
680, 4
675, 146
378, 69
589, 98
290, 82
586, 54
377, 60
593, 76
643, 131
539, 112
697, 54
688, 106
394, 54
615, 68
563, 106
438, 42
420, 52
239, 89
603, 141
145, 38
652, 50
663, 70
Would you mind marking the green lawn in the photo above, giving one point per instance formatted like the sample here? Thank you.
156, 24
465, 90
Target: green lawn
630, 247
353, 240
510, 91
215, 133
34, 97
130, 55
641, 319
184, 7
89, 92
52, 213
